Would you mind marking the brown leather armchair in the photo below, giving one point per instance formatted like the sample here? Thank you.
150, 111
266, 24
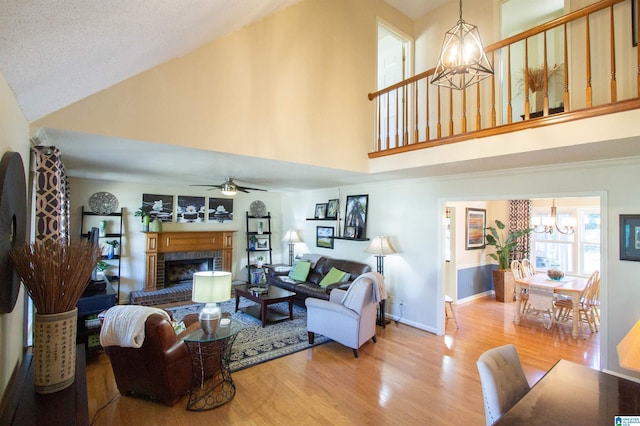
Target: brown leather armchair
161, 367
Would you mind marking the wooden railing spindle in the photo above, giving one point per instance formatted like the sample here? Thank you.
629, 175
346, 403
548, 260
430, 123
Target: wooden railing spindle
565, 89
509, 96
545, 90
588, 64
450, 112
614, 85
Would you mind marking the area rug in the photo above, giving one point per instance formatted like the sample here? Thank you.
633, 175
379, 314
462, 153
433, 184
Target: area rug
254, 344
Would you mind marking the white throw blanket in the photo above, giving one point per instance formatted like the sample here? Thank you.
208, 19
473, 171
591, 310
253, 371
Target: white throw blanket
377, 282
124, 325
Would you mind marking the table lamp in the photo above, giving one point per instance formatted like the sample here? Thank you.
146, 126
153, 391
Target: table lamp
629, 349
291, 237
380, 246
211, 287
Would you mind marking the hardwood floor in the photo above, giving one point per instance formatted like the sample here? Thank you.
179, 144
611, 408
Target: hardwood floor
408, 377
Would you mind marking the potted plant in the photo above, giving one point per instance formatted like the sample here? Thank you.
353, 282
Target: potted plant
259, 261
534, 77
113, 245
101, 267
143, 213
252, 242
505, 244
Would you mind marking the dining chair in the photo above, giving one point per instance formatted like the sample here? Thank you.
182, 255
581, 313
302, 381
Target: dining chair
588, 306
518, 273
527, 268
542, 302
503, 381
449, 310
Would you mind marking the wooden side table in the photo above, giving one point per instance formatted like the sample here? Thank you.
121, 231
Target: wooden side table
211, 385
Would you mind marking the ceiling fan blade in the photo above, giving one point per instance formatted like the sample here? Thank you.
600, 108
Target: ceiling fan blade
210, 186
243, 188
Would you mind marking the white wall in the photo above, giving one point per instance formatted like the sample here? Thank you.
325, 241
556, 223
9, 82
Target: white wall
132, 251
411, 212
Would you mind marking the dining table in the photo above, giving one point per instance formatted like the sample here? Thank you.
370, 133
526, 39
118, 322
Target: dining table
570, 286
574, 394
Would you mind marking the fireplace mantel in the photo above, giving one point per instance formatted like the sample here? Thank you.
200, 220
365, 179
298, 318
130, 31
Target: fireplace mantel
173, 242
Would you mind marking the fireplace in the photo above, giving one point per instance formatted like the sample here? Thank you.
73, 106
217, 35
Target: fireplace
178, 268
173, 257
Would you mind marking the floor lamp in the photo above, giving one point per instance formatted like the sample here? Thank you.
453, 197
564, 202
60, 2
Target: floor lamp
380, 246
291, 237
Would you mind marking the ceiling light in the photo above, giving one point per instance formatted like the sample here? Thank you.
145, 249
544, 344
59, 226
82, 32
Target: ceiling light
549, 223
229, 188
462, 61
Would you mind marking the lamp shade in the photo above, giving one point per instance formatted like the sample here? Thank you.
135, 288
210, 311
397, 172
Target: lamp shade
629, 349
292, 237
380, 246
211, 286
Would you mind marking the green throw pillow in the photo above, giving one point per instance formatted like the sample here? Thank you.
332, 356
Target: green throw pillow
334, 276
300, 271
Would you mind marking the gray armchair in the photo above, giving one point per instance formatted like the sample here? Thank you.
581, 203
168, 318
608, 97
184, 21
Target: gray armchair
348, 317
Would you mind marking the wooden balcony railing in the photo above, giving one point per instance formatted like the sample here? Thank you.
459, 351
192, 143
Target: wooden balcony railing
587, 61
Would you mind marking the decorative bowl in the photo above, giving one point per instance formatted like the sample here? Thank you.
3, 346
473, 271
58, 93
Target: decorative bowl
555, 274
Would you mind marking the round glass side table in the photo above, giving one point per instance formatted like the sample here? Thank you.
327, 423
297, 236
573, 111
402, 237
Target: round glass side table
211, 383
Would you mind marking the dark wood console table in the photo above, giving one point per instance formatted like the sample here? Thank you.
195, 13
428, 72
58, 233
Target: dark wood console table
23, 406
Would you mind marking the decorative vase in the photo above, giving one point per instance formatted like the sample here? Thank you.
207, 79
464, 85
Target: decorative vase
145, 223
54, 351
110, 252
260, 227
103, 228
156, 225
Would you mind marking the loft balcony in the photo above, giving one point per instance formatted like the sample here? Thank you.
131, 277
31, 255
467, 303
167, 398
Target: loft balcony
582, 65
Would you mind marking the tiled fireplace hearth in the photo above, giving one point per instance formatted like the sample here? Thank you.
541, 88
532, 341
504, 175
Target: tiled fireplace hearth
172, 257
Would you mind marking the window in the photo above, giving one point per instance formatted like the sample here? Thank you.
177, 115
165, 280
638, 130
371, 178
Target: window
577, 254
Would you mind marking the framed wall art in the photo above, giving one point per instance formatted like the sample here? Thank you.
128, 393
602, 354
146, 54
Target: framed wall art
262, 243
356, 216
332, 209
190, 209
630, 237
158, 206
324, 237
475, 226
321, 211
221, 210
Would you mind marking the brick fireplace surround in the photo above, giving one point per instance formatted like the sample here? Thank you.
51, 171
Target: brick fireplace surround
161, 246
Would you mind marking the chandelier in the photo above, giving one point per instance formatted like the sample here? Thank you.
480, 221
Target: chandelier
548, 224
462, 60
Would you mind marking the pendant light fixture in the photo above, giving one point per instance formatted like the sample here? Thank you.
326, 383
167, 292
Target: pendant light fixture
546, 225
462, 60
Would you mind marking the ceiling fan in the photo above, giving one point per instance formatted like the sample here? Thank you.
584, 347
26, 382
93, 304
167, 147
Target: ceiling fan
230, 188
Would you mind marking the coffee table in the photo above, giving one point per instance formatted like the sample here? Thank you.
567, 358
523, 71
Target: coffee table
266, 296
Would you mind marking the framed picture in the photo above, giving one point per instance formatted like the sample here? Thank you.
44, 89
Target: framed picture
190, 209
158, 206
262, 243
324, 237
332, 209
349, 232
476, 222
321, 211
220, 210
630, 237
356, 215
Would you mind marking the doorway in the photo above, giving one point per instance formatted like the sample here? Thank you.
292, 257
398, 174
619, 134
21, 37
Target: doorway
467, 277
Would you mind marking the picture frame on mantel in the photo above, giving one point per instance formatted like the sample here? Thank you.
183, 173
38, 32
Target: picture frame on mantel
630, 237
356, 216
476, 222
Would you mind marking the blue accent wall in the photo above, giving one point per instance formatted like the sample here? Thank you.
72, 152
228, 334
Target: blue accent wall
475, 280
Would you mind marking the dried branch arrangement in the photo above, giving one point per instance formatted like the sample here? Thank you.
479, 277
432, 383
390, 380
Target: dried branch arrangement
55, 273
535, 77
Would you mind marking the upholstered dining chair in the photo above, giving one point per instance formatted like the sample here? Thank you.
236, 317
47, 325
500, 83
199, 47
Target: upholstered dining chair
348, 317
503, 381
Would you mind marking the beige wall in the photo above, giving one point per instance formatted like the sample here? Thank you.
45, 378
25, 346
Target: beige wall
291, 87
14, 136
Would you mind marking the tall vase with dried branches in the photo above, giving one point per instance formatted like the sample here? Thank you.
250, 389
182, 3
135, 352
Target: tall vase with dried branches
534, 77
55, 275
